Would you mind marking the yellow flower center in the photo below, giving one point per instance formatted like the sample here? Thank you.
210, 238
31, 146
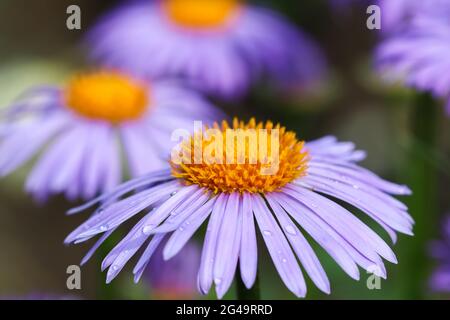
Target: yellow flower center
252, 157
107, 96
201, 13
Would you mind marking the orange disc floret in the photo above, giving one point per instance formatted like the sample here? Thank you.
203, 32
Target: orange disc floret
201, 13
108, 96
245, 157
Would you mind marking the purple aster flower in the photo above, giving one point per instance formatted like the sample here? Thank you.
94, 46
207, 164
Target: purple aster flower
296, 199
176, 278
419, 55
86, 123
221, 47
440, 250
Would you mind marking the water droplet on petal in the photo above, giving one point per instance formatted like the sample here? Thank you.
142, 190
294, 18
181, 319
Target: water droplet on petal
181, 228
267, 233
104, 228
173, 193
115, 268
218, 281
283, 260
147, 229
290, 229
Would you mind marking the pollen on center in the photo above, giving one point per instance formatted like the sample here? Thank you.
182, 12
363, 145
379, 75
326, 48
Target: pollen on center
108, 96
244, 157
201, 13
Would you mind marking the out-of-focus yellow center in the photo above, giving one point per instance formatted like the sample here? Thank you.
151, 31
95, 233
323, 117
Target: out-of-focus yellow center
285, 153
107, 96
201, 13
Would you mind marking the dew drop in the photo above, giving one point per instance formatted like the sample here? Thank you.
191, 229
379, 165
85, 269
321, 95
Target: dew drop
104, 228
173, 193
218, 281
115, 268
283, 260
267, 233
290, 229
181, 228
147, 229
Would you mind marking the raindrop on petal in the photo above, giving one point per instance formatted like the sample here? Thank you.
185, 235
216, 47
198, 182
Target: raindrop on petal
290, 229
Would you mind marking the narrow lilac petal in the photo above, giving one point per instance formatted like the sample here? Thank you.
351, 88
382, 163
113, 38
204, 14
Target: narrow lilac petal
335, 248
112, 166
365, 202
342, 221
303, 250
19, 146
319, 230
121, 211
166, 208
359, 173
356, 184
183, 212
134, 239
94, 248
125, 188
205, 275
142, 157
146, 256
279, 249
93, 164
70, 161
248, 257
228, 242
44, 177
182, 235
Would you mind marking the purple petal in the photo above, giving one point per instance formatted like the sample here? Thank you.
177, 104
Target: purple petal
205, 275
279, 249
248, 257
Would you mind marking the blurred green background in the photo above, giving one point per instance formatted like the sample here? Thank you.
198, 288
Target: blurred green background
351, 103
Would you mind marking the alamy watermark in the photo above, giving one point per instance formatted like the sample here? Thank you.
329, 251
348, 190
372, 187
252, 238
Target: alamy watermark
73, 21
73, 281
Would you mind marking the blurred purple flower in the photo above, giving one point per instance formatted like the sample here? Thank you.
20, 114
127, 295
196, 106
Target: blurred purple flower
175, 278
220, 47
85, 125
420, 54
176, 204
440, 250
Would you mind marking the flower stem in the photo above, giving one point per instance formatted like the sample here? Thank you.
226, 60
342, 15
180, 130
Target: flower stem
422, 176
247, 294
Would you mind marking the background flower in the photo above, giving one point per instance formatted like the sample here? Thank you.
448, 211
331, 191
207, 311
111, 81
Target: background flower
440, 250
175, 278
419, 54
86, 122
221, 47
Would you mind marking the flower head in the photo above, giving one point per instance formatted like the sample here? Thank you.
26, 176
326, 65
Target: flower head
440, 250
419, 54
298, 198
221, 47
85, 122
